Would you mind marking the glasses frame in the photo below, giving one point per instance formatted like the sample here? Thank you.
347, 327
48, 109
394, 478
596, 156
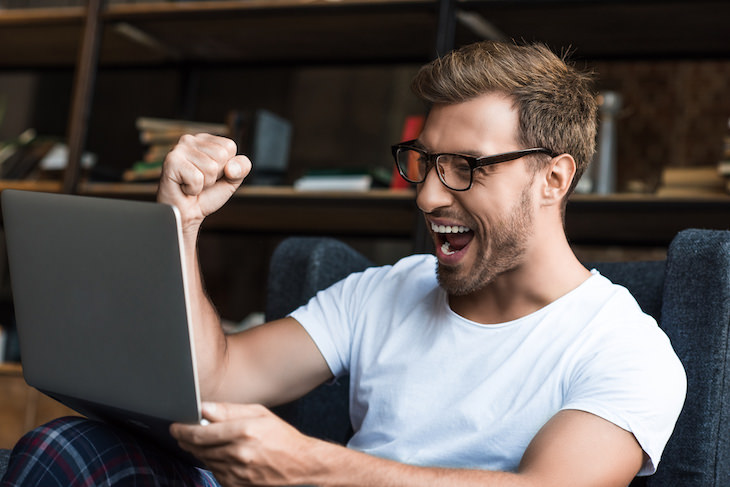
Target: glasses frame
474, 162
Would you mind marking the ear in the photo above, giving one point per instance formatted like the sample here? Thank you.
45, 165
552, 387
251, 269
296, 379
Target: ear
557, 179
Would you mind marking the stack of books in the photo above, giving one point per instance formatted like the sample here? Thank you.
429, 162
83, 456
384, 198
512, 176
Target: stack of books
699, 180
691, 181
21, 158
159, 136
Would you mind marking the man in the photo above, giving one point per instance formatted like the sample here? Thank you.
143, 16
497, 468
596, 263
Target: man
499, 361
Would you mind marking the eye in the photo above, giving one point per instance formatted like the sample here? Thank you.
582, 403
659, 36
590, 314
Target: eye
460, 166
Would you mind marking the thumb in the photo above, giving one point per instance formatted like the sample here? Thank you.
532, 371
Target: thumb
218, 411
215, 196
237, 168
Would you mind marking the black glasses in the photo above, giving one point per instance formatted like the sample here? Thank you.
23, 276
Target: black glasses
456, 171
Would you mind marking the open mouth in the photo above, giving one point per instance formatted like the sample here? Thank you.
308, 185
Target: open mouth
452, 238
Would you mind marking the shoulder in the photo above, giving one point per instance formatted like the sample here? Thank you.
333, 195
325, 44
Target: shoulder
625, 369
414, 271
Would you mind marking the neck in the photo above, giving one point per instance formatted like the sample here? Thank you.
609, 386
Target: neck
548, 271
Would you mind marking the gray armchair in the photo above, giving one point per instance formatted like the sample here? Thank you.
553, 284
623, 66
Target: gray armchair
688, 294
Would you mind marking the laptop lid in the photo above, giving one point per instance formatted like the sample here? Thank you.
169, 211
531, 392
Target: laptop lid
101, 310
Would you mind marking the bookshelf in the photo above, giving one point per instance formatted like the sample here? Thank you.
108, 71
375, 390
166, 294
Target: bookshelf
287, 32
620, 219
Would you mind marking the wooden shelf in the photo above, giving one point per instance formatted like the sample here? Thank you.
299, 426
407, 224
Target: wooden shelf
620, 219
256, 31
599, 29
353, 31
642, 220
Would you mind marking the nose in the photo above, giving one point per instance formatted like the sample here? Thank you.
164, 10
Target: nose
431, 194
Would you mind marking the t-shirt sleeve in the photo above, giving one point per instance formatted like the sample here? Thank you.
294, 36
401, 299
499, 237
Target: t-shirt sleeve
331, 316
635, 381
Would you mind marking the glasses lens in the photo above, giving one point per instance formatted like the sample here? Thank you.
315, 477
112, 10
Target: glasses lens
455, 171
411, 164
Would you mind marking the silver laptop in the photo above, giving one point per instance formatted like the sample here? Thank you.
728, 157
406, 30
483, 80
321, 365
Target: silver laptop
100, 301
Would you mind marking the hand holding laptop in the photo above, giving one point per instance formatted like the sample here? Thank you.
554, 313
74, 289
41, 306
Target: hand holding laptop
199, 175
246, 444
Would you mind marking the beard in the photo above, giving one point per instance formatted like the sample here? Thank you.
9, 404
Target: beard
501, 251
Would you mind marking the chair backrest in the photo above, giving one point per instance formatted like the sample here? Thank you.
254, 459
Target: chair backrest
695, 314
688, 294
301, 266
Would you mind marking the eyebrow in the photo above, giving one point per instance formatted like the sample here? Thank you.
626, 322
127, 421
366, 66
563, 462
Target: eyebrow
470, 153
420, 145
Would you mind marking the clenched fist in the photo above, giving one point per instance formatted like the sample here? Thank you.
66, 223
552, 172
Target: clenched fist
199, 175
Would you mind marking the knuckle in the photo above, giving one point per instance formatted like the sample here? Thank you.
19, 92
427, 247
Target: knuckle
196, 179
230, 146
186, 139
173, 158
209, 169
220, 152
241, 430
243, 454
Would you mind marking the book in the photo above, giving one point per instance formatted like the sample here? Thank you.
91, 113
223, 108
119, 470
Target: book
411, 130
343, 179
334, 182
723, 167
688, 181
159, 136
25, 158
151, 127
143, 171
260, 134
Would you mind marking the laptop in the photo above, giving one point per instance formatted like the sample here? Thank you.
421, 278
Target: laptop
101, 309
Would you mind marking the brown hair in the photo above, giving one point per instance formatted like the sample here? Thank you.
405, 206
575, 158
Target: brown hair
555, 101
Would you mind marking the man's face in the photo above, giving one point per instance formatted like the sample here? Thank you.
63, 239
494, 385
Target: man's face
485, 231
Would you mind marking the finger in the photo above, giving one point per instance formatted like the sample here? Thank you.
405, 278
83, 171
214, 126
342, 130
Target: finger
191, 168
197, 435
219, 149
220, 411
237, 168
211, 455
187, 175
230, 461
212, 434
216, 195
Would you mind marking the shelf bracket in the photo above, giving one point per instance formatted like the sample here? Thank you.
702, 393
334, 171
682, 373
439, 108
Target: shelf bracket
85, 78
446, 28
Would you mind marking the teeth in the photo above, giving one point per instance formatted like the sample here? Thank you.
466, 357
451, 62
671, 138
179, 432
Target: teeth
446, 249
449, 229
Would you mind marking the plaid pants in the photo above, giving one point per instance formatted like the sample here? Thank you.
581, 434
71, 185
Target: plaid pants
70, 452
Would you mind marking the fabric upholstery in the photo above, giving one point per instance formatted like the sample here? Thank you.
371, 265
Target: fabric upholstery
696, 317
4, 457
299, 268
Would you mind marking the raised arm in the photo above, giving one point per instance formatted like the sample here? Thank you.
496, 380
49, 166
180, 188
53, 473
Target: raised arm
269, 365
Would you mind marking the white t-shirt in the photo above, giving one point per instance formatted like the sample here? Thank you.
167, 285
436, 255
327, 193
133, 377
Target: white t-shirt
429, 387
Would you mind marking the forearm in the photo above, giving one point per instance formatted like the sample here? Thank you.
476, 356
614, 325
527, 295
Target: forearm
210, 341
199, 175
337, 466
